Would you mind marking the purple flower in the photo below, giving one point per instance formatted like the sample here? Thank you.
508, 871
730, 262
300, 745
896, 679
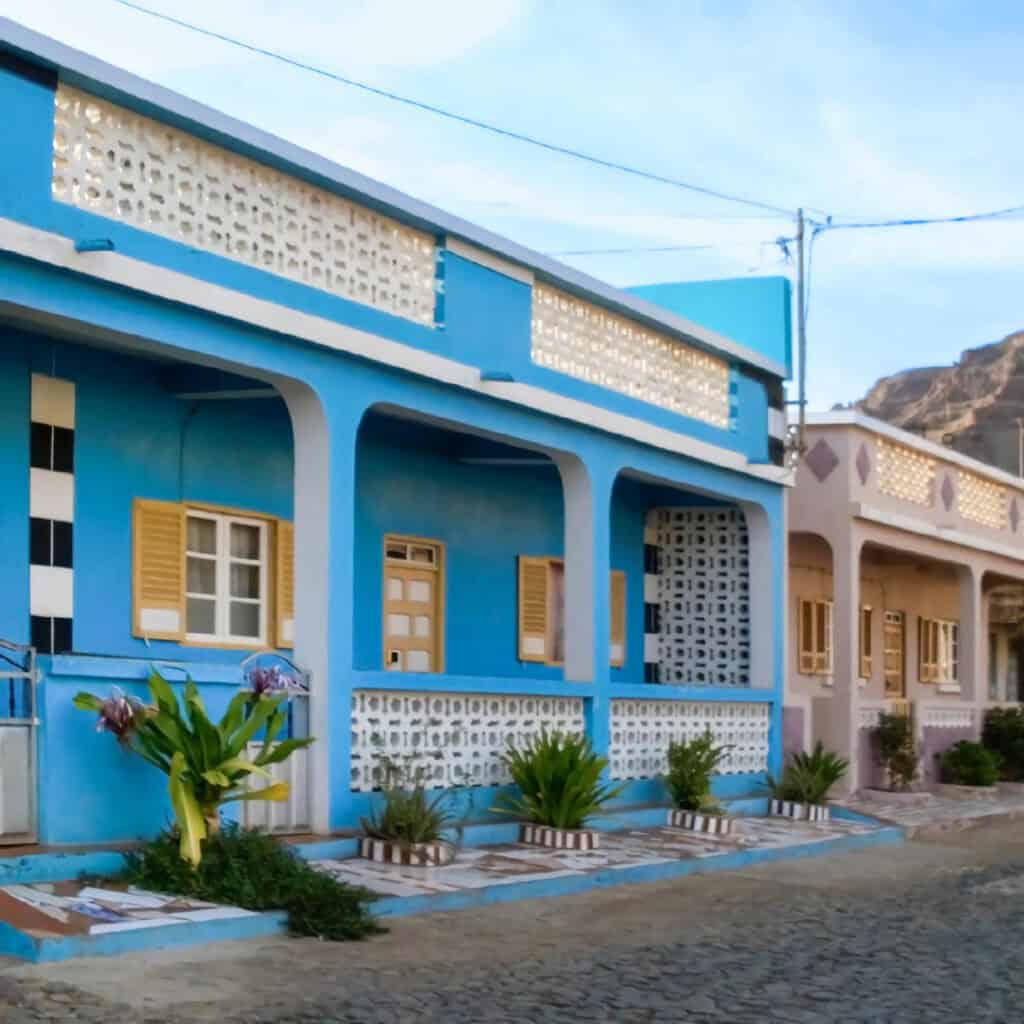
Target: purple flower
118, 715
265, 682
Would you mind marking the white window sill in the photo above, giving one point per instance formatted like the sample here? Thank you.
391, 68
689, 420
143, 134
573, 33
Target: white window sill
947, 687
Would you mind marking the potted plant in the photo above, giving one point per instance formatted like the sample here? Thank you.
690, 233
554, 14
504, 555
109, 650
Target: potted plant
407, 826
894, 736
803, 787
204, 762
970, 765
559, 780
691, 763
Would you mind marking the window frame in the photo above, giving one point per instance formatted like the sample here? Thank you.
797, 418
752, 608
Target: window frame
822, 626
222, 598
939, 652
864, 642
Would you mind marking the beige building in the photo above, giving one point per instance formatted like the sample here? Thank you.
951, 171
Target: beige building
906, 570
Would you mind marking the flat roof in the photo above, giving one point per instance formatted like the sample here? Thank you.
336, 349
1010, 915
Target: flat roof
854, 418
110, 82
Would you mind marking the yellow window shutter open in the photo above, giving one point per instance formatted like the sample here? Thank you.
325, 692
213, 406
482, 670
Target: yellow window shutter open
618, 614
533, 609
805, 638
158, 570
284, 583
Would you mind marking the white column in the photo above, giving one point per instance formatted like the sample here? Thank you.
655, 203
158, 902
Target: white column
973, 639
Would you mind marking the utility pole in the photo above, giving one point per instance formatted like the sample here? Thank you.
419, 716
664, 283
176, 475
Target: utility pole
801, 334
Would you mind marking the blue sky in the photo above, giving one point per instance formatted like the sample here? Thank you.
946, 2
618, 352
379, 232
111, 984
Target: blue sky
864, 110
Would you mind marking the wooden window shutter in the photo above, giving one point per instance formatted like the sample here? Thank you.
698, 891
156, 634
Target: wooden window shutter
927, 648
805, 639
158, 570
865, 643
618, 616
533, 609
284, 583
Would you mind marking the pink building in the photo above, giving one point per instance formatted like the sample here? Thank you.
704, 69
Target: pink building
906, 561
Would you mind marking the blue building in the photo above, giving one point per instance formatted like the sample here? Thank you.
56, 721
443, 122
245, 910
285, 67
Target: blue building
251, 400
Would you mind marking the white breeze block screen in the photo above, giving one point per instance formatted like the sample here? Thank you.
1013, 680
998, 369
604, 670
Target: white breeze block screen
697, 597
641, 731
113, 162
457, 739
592, 343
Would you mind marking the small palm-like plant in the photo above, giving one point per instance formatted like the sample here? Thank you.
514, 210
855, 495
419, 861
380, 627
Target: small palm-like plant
559, 781
807, 778
691, 763
406, 814
203, 761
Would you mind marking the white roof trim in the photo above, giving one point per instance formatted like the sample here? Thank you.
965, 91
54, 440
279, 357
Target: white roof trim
853, 418
151, 99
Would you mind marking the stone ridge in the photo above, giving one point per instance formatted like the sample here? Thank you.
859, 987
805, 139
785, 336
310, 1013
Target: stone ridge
973, 406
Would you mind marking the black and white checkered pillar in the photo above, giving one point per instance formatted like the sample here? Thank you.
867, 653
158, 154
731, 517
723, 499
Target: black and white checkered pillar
52, 513
652, 601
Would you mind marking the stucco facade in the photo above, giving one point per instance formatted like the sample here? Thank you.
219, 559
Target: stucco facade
901, 545
208, 334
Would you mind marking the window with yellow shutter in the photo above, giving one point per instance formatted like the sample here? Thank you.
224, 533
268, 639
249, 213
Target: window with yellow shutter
542, 612
814, 637
205, 575
938, 645
866, 661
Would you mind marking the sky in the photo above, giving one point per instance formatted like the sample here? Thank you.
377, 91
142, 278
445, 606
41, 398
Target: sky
862, 110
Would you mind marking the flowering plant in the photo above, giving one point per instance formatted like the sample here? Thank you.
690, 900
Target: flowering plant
119, 714
265, 682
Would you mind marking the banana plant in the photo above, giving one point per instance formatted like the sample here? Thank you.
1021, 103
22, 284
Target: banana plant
205, 763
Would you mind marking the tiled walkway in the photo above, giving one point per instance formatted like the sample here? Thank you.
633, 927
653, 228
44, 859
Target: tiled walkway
942, 813
481, 867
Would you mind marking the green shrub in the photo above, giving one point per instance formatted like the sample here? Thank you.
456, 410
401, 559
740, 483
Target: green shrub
969, 764
897, 751
256, 872
690, 767
1003, 734
807, 778
559, 780
407, 815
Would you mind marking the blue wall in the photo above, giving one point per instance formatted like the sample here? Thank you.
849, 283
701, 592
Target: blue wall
485, 320
755, 311
133, 439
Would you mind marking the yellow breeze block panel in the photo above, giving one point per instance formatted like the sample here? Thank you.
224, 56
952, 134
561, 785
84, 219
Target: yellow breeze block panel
118, 164
982, 501
593, 344
906, 474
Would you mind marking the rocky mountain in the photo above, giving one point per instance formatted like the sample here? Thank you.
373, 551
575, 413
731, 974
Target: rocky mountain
973, 406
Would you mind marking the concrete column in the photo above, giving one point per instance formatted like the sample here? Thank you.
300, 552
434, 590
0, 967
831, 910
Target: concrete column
587, 494
769, 600
840, 731
325, 452
973, 638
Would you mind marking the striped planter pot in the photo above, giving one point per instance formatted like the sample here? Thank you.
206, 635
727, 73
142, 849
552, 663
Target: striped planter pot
798, 811
416, 855
712, 824
559, 838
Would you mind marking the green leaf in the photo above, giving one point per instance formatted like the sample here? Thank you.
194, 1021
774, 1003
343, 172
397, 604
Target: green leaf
283, 750
277, 793
244, 767
233, 717
186, 812
87, 702
217, 778
265, 707
163, 695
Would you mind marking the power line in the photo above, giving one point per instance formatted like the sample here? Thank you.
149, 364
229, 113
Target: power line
451, 116
908, 222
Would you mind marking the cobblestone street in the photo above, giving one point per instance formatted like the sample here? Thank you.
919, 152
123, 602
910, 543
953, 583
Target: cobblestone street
927, 932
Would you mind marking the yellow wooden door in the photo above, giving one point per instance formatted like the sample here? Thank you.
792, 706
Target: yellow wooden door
412, 609
895, 655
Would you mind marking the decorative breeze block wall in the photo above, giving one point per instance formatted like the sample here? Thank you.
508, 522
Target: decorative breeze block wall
947, 718
641, 731
697, 597
456, 739
982, 501
589, 342
113, 162
906, 474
